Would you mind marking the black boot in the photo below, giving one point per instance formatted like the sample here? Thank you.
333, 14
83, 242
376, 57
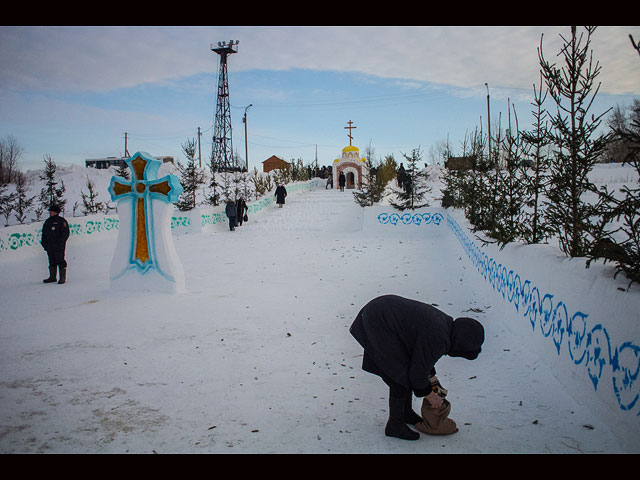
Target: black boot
52, 275
396, 426
63, 275
410, 416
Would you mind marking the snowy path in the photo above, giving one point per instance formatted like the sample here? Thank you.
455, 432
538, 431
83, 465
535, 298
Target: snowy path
257, 357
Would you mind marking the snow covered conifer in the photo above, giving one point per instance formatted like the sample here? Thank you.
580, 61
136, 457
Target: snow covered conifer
535, 228
51, 193
89, 202
23, 203
411, 197
572, 87
190, 178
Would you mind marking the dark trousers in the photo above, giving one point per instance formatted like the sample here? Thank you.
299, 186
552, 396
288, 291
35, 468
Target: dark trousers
232, 223
56, 258
396, 390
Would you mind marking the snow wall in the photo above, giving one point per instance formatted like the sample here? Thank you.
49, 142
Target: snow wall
19, 240
554, 304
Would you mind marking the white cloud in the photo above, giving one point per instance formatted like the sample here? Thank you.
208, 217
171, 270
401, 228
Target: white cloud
106, 58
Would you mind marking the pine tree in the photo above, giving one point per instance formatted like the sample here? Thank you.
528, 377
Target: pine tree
123, 171
50, 193
6, 202
477, 185
214, 197
411, 197
535, 228
505, 226
227, 189
91, 206
259, 184
23, 203
577, 150
190, 178
625, 252
387, 171
372, 188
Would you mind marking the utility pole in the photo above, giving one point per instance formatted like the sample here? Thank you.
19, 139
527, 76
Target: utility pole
489, 123
126, 152
199, 151
246, 148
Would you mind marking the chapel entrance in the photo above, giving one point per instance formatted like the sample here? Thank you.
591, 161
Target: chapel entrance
351, 180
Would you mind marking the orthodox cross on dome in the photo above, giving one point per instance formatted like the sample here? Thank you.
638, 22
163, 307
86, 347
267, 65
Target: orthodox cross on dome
143, 190
350, 127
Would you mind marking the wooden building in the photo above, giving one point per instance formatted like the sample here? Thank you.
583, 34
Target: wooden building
274, 163
117, 162
461, 163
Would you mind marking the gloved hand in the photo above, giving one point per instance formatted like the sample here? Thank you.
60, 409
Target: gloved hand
436, 387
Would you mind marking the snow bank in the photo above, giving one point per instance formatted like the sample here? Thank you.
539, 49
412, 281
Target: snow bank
592, 346
581, 321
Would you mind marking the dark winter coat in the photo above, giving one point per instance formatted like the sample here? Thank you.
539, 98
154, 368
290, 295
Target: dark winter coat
241, 208
281, 193
342, 179
230, 209
55, 232
403, 339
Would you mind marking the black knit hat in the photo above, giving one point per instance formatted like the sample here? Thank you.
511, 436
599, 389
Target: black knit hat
467, 337
54, 208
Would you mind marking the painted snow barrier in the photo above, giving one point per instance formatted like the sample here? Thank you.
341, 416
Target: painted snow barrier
19, 240
381, 219
593, 346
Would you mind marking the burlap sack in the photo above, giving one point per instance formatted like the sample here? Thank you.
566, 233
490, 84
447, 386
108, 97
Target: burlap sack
436, 421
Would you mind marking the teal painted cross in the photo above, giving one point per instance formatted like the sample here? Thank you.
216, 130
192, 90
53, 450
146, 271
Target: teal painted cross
144, 188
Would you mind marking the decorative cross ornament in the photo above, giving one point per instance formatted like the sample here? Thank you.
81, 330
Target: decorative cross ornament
145, 242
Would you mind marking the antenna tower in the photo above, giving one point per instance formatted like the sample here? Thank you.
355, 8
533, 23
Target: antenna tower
222, 154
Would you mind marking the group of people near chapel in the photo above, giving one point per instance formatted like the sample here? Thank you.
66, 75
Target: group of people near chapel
402, 339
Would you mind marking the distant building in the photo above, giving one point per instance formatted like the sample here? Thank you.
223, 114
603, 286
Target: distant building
117, 162
274, 163
461, 163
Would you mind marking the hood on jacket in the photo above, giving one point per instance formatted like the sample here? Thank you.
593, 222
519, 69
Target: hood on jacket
467, 337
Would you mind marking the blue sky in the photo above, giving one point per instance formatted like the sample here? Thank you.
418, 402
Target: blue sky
73, 92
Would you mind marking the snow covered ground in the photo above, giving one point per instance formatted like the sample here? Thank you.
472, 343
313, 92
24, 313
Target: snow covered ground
257, 358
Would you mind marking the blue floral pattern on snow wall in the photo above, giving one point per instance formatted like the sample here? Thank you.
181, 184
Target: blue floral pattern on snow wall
588, 345
410, 218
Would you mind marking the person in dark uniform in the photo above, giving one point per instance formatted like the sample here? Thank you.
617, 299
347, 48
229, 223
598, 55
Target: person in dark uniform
402, 340
231, 212
55, 232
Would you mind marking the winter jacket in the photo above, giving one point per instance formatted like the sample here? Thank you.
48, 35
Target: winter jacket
281, 192
342, 179
55, 232
230, 209
405, 338
241, 207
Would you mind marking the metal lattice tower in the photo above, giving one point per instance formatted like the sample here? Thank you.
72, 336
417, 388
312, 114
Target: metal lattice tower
222, 154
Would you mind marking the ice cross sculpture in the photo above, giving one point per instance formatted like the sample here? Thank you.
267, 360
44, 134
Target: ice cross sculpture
145, 251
